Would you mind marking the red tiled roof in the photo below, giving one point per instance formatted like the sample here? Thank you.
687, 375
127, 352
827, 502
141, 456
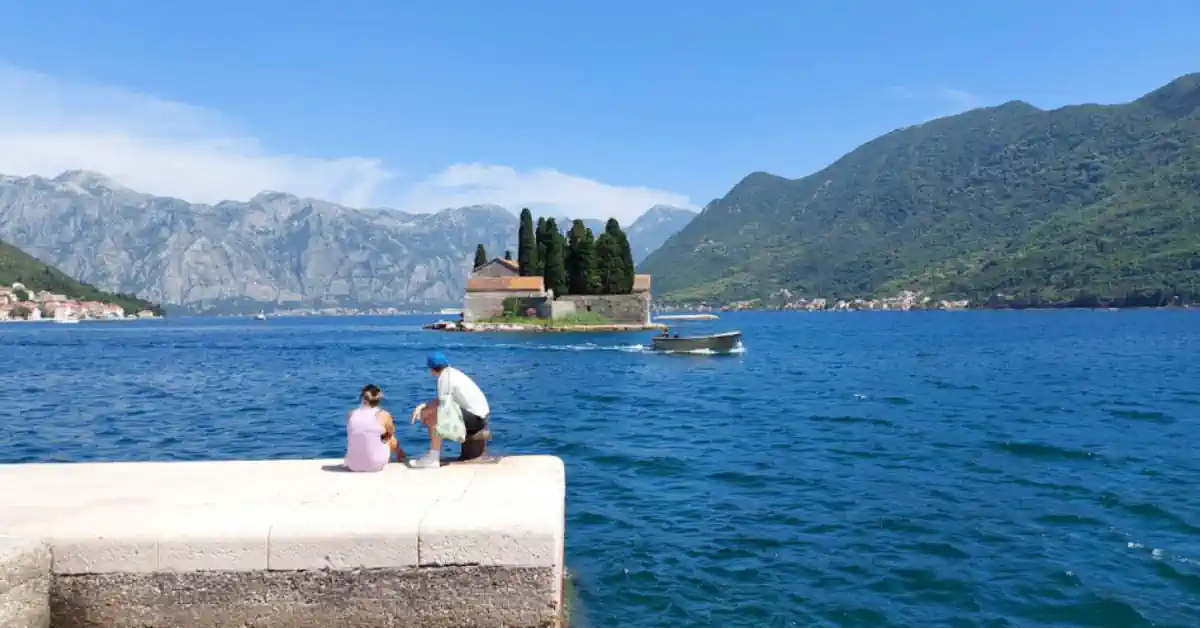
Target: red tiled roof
505, 284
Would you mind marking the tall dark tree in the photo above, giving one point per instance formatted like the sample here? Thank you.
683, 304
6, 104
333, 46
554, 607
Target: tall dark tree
480, 256
626, 256
581, 259
593, 272
619, 269
607, 264
556, 267
527, 258
541, 243
508, 255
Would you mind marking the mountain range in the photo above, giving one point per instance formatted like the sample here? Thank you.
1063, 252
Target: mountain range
274, 250
1012, 204
645, 234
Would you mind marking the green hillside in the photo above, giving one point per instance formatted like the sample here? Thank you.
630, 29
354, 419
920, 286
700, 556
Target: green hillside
1080, 205
17, 266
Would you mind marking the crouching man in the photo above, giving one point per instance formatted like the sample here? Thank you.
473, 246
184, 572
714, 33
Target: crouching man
456, 385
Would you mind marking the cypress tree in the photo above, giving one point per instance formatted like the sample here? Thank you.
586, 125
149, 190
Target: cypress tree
622, 273
556, 270
607, 255
581, 259
526, 245
541, 244
593, 272
480, 256
508, 255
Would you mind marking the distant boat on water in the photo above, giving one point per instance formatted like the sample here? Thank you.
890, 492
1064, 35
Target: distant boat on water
261, 316
717, 343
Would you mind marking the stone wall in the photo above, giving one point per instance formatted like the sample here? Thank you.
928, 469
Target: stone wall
479, 306
631, 309
24, 584
432, 597
558, 308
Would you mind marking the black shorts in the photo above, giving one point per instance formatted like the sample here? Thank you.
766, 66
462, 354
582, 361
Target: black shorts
473, 423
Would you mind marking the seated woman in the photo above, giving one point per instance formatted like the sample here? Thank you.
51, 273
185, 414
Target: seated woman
370, 434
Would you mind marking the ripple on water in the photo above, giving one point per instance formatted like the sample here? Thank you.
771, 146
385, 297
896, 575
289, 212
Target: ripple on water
1142, 415
1043, 451
851, 419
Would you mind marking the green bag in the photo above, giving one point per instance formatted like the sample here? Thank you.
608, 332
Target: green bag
450, 424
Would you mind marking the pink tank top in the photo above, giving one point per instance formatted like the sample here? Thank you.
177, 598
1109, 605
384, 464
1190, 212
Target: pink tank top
365, 449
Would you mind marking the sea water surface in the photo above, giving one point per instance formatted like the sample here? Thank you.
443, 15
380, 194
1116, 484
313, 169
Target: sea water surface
860, 469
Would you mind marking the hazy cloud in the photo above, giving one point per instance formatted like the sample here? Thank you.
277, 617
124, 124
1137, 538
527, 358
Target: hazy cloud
543, 189
156, 146
957, 99
176, 149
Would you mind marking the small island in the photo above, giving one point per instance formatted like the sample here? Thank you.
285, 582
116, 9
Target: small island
559, 283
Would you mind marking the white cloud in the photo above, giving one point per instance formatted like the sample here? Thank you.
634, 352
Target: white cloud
176, 149
159, 147
546, 190
957, 99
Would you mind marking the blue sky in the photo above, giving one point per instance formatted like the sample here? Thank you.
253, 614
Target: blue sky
597, 107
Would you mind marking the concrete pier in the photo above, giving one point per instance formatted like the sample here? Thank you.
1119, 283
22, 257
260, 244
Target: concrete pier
289, 543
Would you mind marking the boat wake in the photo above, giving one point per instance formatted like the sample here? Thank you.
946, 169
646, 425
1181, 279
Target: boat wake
635, 348
587, 346
738, 350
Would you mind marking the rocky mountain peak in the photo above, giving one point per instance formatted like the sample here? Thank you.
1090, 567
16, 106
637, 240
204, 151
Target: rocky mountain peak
87, 180
274, 250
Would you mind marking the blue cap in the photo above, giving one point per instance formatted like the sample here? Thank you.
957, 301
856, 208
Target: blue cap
437, 360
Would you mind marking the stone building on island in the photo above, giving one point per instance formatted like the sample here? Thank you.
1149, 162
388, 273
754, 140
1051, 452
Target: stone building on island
491, 285
495, 282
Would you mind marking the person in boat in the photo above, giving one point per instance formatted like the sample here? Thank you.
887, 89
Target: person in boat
370, 433
456, 385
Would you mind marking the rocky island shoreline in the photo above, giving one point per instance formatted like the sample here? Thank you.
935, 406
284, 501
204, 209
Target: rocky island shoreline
524, 327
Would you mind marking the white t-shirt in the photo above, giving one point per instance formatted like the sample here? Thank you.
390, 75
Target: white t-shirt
463, 390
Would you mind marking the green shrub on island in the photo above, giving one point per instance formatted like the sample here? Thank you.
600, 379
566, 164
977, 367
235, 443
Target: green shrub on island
512, 306
570, 320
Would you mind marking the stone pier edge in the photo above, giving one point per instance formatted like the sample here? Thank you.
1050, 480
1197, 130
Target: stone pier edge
444, 596
36, 593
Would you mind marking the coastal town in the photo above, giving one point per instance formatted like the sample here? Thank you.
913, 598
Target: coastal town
334, 311
906, 301
18, 303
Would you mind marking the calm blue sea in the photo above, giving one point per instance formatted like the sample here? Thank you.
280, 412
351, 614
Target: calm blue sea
860, 469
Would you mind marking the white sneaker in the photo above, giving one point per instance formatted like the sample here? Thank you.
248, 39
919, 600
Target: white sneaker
428, 461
